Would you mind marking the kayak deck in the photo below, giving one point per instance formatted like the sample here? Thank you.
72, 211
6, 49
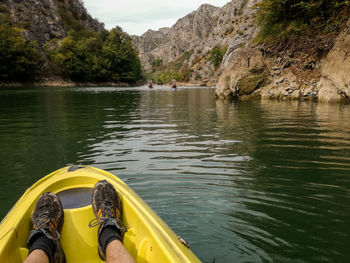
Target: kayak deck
148, 238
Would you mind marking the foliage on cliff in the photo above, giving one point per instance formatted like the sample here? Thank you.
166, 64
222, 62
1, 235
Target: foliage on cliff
177, 69
280, 17
105, 56
19, 59
216, 55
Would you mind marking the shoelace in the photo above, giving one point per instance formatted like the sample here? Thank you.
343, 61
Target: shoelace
45, 226
109, 217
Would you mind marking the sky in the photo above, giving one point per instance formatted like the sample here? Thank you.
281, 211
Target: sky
137, 16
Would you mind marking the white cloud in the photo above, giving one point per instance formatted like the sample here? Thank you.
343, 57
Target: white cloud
137, 16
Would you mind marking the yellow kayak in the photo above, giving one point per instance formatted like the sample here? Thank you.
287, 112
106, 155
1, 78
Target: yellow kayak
148, 238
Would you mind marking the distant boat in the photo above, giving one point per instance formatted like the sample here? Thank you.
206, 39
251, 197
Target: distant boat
150, 85
174, 87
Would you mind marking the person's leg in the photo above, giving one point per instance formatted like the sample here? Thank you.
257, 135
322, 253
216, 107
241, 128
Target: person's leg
107, 208
37, 256
44, 240
116, 252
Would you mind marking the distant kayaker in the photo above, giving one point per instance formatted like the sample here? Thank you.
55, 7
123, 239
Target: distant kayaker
150, 85
44, 240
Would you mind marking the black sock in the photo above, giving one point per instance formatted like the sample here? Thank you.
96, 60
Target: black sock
109, 234
40, 241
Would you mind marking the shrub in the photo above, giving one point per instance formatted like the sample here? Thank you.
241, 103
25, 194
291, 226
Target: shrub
216, 55
163, 77
156, 63
277, 17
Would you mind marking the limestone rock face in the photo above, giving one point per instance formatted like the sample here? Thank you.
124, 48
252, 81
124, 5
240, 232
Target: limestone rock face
44, 20
168, 43
231, 26
243, 75
334, 84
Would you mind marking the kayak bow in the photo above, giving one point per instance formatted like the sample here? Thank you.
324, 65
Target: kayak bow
148, 238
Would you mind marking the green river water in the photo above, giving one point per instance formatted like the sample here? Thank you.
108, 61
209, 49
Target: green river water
249, 181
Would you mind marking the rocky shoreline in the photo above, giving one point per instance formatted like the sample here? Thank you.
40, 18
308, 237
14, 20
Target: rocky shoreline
65, 83
290, 75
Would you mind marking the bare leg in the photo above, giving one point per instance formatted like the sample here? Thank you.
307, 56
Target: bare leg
37, 256
117, 253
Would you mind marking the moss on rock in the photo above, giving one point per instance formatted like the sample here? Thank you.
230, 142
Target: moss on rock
251, 81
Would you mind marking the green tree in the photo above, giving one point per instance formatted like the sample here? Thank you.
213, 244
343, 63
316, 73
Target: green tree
107, 56
20, 59
70, 58
120, 57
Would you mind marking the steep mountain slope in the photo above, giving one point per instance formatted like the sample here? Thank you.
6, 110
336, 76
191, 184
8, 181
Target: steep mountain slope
44, 20
198, 33
169, 43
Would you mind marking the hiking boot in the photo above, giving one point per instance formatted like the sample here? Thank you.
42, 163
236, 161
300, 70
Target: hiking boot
107, 208
47, 221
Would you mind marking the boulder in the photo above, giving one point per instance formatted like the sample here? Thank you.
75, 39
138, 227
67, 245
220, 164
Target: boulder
244, 74
334, 84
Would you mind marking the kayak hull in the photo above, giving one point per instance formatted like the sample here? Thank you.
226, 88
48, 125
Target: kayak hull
148, 238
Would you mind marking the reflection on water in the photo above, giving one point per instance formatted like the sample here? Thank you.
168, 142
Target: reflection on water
242, 182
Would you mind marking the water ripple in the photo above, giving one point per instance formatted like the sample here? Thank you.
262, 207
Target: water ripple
242, 182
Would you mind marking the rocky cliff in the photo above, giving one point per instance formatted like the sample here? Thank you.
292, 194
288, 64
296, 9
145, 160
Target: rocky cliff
231, 26
44, 20
334, 83
306, 68
313, 66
